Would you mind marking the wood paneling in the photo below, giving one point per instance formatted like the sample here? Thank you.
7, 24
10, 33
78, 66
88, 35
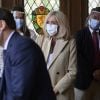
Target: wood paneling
11, 3
75, 15
76, 10
65, 7
84, 11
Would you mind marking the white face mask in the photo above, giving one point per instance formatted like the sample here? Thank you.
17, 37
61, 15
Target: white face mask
51, 29
19, 23
94, 24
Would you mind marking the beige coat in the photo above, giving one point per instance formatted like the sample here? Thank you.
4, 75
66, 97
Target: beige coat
62, 67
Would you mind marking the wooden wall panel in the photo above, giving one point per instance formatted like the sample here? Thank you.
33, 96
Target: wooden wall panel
65, 7
84, 11
75, 15
11, 3
76, 11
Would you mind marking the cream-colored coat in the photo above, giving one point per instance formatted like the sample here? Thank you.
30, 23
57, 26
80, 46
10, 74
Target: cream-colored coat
62, 67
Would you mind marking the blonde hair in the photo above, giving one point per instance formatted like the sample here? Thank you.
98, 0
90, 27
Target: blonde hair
62, 20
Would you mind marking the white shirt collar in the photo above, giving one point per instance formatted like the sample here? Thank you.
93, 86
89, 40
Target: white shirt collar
91, 30
7, 41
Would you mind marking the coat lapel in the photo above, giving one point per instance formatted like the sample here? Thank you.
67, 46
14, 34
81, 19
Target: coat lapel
46, 47
60, 44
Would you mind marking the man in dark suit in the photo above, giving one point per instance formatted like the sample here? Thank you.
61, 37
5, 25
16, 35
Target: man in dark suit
87, 82
25, 76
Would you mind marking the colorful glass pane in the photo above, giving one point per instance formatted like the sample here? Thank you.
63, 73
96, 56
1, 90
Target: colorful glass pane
38, 16
33, 17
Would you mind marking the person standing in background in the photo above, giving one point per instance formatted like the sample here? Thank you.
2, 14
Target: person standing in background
59, 48
87, 84
19, 16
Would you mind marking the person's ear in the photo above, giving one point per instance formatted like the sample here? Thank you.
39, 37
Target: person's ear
3, 25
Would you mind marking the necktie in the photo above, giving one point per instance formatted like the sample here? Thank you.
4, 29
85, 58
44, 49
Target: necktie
95, 41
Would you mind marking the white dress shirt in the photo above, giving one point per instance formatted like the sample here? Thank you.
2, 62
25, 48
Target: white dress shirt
1, 53
7, 41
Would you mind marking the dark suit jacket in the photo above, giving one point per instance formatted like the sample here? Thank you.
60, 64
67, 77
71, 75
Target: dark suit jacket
85, 55
25, 75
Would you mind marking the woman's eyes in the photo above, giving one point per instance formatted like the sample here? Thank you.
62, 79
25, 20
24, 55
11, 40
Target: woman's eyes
52, 22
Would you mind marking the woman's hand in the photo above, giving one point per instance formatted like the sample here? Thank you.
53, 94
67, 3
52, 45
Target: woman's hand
56, 91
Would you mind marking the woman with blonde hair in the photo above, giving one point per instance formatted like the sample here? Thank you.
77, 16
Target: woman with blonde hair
59, 48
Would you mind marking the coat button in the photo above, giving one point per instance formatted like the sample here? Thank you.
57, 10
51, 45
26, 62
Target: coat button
57, 73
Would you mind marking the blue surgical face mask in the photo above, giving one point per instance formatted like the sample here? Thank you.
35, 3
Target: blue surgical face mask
94, 24
19, 23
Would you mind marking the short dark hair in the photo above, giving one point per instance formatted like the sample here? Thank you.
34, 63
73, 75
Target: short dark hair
97, 9
7, 17
18, 8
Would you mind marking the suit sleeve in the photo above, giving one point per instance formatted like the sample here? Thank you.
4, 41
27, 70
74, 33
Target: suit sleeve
23, 70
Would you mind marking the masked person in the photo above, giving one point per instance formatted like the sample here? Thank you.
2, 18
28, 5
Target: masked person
19, 16
59, 48
87, 84
25, 76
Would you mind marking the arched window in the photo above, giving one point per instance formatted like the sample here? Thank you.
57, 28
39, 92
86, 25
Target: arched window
31, 7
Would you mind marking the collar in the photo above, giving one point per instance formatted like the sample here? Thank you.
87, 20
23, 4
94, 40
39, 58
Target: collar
91, 30
7, 41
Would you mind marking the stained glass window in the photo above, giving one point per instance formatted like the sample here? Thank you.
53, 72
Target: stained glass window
33, 12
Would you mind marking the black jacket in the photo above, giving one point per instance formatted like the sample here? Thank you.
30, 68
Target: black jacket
85, 55
25, 74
